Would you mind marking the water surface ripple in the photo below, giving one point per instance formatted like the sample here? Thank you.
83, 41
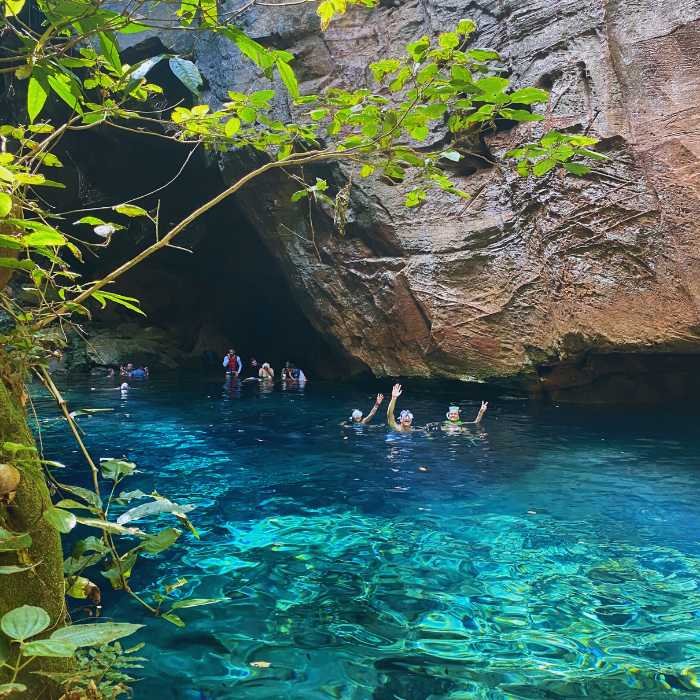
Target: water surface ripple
552, 555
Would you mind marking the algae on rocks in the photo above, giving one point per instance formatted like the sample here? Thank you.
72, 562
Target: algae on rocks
42, 584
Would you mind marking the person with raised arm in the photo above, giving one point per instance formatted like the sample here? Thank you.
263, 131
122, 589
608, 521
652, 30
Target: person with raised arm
356, 417
405, 424
454, 424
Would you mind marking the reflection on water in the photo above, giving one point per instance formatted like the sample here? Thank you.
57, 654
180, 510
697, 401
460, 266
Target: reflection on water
553, 555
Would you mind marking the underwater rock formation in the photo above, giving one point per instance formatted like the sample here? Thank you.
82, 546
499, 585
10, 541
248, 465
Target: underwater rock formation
528, 274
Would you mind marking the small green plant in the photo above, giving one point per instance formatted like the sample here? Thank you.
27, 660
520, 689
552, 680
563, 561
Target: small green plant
100, 673
20, 645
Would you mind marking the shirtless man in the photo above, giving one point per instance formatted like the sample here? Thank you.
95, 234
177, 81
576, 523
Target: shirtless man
405, 424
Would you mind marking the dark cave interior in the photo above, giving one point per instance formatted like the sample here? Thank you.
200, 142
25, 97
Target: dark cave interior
230, 291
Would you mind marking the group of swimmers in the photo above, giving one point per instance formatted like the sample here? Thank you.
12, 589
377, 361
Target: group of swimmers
453, 424
234, 368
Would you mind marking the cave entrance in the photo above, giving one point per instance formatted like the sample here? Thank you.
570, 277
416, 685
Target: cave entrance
230, 291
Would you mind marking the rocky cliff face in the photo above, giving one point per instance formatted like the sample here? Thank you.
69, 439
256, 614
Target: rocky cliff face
530, 279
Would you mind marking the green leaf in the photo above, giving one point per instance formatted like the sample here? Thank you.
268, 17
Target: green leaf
415, 197
299, 194
37, 92
115, 469
79, 588
519, 115
113, 528
69, 503
542, 167
232, 126
8, 570
289, 78
577, 168
529, 96
162, 541
552, 137
465, 27
24, 622
326, 12
12, 264
492, 85
95, 634
47, 236
174, 619
48, 647
187, 73
84, 494
380, 69
161, 505
64, 87
483, 55
419, 132
261, 98
448, 40
141, 69
13, 7
62, 520
416, 50
5, 204
110, 49
454, 156
195, 602
130, 303
588, 153
247, 114
130, 210
256, 52
13, 541
366, 170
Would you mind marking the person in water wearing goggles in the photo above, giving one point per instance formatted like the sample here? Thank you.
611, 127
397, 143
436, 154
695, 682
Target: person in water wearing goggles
405, 424
358, 418
454, 424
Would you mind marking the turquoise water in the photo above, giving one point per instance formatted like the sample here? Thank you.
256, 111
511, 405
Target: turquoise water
555, 554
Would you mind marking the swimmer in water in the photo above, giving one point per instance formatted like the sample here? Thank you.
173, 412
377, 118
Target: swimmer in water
453, 424
405, 424
356, 417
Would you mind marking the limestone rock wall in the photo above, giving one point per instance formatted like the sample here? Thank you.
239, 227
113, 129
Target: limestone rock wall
529, 273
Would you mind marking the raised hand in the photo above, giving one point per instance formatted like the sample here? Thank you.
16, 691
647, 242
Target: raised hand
396, 391
484, 406
380, 398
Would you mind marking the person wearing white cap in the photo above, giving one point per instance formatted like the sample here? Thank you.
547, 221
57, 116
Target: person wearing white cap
357, 416
405, 424
453, 422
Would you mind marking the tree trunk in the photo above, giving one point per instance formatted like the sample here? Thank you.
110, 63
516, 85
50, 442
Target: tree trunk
43, 585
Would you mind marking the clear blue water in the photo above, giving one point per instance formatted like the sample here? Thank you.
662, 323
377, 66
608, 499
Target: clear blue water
555, 555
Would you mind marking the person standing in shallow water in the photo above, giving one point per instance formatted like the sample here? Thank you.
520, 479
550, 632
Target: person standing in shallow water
356, 417
405, 424
232, 364
266, 373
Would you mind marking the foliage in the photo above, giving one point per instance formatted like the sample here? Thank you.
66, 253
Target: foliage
426, 109
19, 647
100, 672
